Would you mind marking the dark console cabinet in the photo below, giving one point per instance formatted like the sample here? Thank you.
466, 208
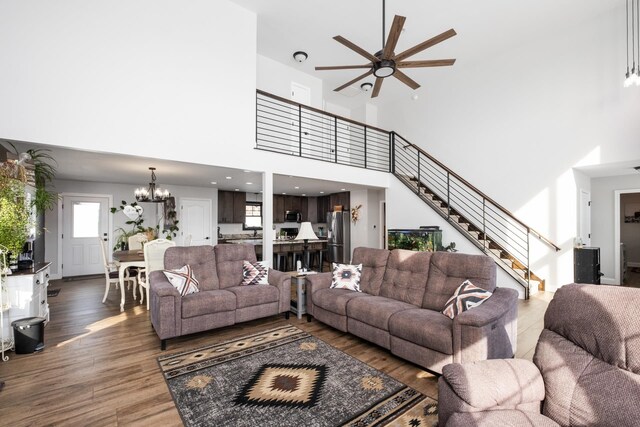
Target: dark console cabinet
586, 265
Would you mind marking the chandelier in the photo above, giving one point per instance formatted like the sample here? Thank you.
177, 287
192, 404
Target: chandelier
633, 77
152, 193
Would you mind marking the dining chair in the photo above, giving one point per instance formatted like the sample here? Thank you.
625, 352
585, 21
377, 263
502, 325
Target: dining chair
153, 260
111, 271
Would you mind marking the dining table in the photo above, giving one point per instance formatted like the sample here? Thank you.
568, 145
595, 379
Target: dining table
124, 260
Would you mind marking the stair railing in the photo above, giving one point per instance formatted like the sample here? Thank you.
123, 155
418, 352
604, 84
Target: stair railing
494, 227
286, 127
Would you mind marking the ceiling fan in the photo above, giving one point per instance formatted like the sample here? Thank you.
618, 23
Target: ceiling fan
385, 62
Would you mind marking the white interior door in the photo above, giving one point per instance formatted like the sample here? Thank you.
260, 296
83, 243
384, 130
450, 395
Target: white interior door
195, 220
85, 218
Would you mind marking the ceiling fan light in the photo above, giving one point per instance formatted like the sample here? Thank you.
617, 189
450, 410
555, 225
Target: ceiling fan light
384, 68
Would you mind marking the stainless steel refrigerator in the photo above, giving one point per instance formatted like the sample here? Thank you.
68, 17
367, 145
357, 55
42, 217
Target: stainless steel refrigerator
339, 237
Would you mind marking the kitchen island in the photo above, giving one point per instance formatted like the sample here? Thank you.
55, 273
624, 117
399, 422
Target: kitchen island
286, 246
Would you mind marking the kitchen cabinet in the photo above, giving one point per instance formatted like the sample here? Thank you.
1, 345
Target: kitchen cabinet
293, 203
339, 199
311, 213
304, 209
322, 208
231, 207
278, 209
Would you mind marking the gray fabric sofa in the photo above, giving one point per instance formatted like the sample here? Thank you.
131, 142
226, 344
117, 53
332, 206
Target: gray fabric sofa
221, 300
399, 308
585, 370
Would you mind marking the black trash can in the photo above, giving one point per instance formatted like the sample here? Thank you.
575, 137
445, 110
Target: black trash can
28, 334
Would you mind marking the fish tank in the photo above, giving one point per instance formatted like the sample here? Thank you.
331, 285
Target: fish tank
428, 238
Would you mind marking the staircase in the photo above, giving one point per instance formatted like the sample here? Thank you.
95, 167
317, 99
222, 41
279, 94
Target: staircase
489, 226
286, 127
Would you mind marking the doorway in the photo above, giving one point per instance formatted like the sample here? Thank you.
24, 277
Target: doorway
585, 218
195, 221
85, 223
626, 233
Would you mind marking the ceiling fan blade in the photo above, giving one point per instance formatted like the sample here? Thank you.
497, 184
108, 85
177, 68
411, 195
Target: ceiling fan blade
376, 87
431, 63
406, 79
425, 44
350, 82
355, 48
343, 67
394, 35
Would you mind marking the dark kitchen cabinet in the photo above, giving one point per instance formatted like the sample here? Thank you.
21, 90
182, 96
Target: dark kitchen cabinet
231, 207
322, 208
339, 199
278, 209
293, 203
311, 209
304, 209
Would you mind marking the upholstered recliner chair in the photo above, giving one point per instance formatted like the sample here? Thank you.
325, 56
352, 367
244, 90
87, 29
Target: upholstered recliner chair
585, 371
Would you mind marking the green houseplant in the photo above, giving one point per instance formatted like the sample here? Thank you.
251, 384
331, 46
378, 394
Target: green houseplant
15, 214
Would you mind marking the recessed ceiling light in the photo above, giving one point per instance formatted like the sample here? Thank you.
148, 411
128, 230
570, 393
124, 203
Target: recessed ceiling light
249, 183
213, 183
284, 193
237, 189
322, 192
343, 189
228, 177
296, 187
303, 194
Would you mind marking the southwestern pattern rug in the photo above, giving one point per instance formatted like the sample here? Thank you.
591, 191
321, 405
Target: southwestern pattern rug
287, 377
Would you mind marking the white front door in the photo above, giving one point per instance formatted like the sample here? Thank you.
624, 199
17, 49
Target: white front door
195, 221
85, 218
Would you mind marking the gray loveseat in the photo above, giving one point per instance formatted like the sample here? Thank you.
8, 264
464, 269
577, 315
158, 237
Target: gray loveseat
400, 307
585, 370
222, 301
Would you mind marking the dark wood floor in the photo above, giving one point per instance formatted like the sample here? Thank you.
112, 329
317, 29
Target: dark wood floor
99, 367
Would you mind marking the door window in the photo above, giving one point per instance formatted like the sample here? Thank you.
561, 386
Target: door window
86, 219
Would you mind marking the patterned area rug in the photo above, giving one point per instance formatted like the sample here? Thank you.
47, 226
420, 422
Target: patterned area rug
286, 377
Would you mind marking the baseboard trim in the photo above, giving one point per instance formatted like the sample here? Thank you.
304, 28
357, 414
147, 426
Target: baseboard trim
608, 281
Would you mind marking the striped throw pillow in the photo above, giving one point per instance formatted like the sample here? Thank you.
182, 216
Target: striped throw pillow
183, 280
464, 298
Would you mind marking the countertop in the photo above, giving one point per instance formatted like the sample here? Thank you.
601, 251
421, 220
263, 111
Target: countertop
37, 267
275, 242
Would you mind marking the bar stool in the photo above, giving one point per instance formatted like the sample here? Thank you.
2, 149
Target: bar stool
280, 256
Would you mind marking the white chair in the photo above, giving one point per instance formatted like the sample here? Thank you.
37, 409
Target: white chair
111, 272
136, 241
153, 261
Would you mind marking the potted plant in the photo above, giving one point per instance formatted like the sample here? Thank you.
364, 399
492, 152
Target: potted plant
15, 214
133, 211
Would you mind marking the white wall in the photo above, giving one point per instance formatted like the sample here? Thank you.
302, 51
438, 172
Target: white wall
131, 77
516, 124
276, 78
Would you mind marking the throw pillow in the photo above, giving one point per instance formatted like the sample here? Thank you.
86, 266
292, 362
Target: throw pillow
464, 298
183, 280
255, 273
346, 276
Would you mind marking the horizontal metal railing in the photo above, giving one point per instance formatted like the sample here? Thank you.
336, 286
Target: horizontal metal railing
286, 127
493, 227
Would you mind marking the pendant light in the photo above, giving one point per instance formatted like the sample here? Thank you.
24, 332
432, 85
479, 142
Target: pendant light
633, 76
152, 193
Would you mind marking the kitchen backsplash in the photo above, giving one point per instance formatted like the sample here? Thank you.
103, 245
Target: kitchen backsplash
236, 229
